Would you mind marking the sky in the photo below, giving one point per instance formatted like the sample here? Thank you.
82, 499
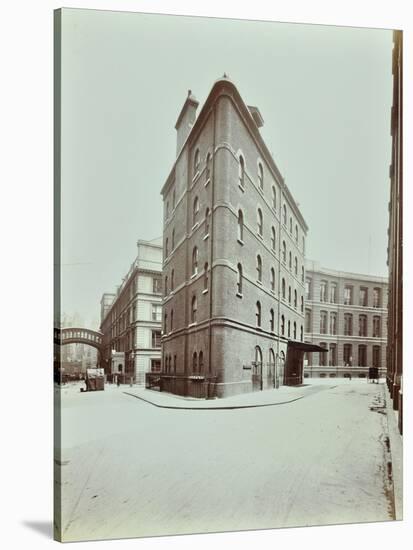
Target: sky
324, 92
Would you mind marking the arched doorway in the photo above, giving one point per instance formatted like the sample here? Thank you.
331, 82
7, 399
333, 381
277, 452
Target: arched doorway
257, 370
271, 369
280, 369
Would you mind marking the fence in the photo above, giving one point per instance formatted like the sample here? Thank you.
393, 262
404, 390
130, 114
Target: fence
339, 372
201, 387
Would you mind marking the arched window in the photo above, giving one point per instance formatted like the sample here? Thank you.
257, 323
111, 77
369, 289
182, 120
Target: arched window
271, 320
272, 362
284, 252
167, 210
166, 285
282, 325
174, 364
173, 280
195, 211
206, 222
259, 222
295, 331
239, 280
173, 239
291, 225
289, 329
166, 247
301, 333
260, 176
241, 171
208, 167
165, 322
295, 299
196, 161
302, 304
172, 322
195, 261
289, 295
273, 238
240, 225
259, 268
173, 199
194, 362
302, 273
201, 362
258, 314
283, 288
274, 198
194, 307
272, 280
258, 356
284, 215
206, 276
296, 233
303, 245
290, 260
296, 265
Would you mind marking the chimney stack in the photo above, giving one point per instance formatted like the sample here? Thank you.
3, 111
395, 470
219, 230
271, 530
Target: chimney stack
185, 120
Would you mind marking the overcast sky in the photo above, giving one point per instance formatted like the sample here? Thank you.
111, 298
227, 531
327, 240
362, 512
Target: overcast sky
325, 94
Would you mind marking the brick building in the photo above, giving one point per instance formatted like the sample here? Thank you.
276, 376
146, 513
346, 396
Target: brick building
347, 314
234, 243
131, 318
395, 248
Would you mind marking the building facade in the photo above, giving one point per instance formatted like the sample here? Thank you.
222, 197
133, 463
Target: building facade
234, 244
131, 323
347, 314
395, 247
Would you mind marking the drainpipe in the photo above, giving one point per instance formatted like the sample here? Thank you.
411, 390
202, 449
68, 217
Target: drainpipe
211, 229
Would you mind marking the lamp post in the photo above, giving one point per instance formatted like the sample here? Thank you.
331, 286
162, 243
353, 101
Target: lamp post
132, 357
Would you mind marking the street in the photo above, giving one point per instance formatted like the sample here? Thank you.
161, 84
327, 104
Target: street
131, 469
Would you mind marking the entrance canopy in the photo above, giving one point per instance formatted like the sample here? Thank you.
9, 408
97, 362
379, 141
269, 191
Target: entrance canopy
305, 346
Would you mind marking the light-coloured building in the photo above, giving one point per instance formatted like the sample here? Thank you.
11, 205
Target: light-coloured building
132, 319
234, 244
347, 314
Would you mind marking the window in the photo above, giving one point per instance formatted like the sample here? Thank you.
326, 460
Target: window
274, 198
348, 295
295, 331
333, 355
156, 338
206, 276
201, 362
194, 362
376, 356
295, 298
196, 161
167, 210
206, 222
348, 324
240, 225
290, 261
166, 247
259, 222
362, 325
376, 297
239, 280
259, 268
333, 323
260, 177
323, 291
165, 322
376, 327
302, 273
362, 355
323, 322
195, 211
157, 285
295, 265
284, 215
194, 307
241, 172
166, 285
323, 355
195, 261
291, 225
273, 238
308, 289
258, 314
155, 365
172, 320
173, 239
333, 293
283, 288
174, 364
172, 280
301, 333
271, 320
296, 233
302, 304
363, 296
282, 325
173, 199
208, 167
284, 252
272, 279
289, 329
289, 295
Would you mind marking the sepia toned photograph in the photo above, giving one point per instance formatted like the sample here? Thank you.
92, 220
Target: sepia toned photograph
228, 275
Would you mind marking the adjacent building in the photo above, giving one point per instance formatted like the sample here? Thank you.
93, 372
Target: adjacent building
345, 313
233, 267
395, 247
131, 318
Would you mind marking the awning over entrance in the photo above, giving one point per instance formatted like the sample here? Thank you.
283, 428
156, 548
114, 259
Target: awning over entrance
305, 346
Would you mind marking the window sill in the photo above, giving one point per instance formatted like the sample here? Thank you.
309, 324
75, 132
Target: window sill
192, 324
205, 291
207, 182
261, 190
259, 235
241, 187
194, 275
259, 282
240, 241
195, 226
196, 175
206, 236
239, 295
